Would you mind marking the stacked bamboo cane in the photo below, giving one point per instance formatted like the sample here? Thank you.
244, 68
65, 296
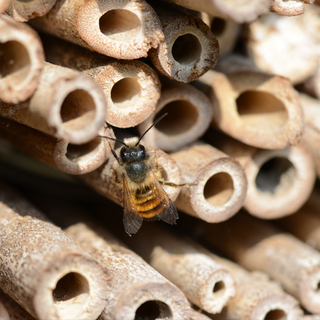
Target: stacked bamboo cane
240, 84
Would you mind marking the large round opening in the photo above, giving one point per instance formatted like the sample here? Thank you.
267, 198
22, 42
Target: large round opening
70, 286
182, 116
276, 175
76, 152
120, 25
261, 109
186, 49
15, 62
276, 315
218, 26
78, 110
126, 92
219, 189
153, 310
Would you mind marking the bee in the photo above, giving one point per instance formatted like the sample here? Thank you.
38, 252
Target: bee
140, 178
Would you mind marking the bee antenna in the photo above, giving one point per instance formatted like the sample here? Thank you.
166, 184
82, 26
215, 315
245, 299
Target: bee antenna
151, 127
113, 140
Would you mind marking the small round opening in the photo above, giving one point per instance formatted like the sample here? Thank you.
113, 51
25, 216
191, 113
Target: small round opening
15, 62
276, 315
186, 49
120, 25
182, 116
76, 152
219, 189
77, 110
70, 286
125, 92
276, 175
218, 26
153, 310
218, 287
261, 109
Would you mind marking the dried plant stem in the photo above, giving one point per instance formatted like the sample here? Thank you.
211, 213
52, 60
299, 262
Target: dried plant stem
262, 110
21, 60
218, 183
189, 48
113, 28
23, 11
204, 282
189, 116
72, 159
287, 8
43, 270
66, 105
131, 88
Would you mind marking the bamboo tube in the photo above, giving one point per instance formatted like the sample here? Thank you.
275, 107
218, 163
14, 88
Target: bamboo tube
21, 60
10, 310
66, 104
204, 282
23, 11
256, 245
218, 183
189, 116
189, 48
287, 8
262, 110
124, 29
311, 136
239, 11
43, 270
72, 159
196, 315
279, 181
287, 38
226, 32
131, 88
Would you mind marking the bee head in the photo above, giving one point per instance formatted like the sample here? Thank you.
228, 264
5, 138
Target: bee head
132, 153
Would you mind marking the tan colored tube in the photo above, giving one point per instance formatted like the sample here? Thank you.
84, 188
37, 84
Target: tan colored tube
238, 11
3, 5
102, 180
66, 105
262, 110
21, 60
279, 181
189, 116
189, 48
226, 32
72, 159
204, 282
256, 245
10, 310
131, 88
288, 39
42, 269
23, 11
287, 8
124, 29
218, 182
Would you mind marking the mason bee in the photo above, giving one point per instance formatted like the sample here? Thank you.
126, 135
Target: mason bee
140, 178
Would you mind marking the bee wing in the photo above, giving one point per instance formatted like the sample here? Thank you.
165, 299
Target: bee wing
132, 220
169, 214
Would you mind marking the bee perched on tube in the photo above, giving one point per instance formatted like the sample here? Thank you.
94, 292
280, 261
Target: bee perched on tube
140, 178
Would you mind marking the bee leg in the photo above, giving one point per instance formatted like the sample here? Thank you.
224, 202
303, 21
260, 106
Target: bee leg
115, 177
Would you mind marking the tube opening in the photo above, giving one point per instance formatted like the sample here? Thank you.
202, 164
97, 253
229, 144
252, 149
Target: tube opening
78, 110
219, 189
186, 49
261, 109
26, 1
182, 116
276, 176
126, 92
276, 315
218, 289
76, 152
15, 62
218, 26
153, 310
71, 286
120, 25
